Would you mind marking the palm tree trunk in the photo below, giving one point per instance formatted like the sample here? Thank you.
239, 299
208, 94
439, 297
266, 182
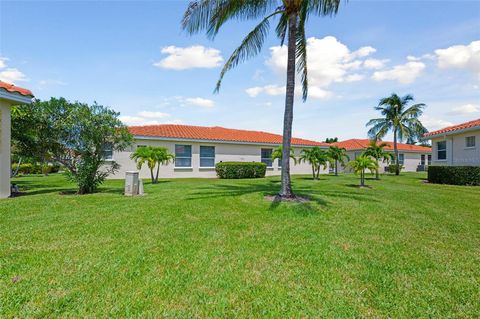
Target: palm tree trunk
376, 171
313, 171
151, 175
336, 168
286, 190
158, 170
362, 178
397, 169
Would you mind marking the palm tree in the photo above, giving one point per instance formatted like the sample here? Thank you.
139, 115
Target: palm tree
376, 151
211, 15
154, 157
338, 155
362, 163
316, 157
398, 118
278, 154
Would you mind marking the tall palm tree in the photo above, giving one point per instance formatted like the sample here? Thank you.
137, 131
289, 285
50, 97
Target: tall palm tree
154, 157
361, 164
278, 154
376, 150
316, 157
399, 118
338, 155
211, 15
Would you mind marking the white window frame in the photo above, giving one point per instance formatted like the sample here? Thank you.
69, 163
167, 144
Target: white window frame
204, 157
441, 150
423, 159
401, 159
265, 158
107, 149
429, 159
177, 157
474, 141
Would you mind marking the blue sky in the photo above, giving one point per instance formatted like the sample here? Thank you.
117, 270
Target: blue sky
134, 57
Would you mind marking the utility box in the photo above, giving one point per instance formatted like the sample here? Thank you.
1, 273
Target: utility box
131, 183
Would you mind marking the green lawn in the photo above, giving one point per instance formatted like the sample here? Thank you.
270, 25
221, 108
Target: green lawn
215, 248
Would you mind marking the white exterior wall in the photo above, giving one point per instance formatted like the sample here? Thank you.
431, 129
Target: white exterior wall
411, 160
457, 152
5, 126
224, 152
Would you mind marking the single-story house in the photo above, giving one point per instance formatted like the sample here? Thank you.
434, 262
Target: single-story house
9, 95
413, 157
197, 149
456, 145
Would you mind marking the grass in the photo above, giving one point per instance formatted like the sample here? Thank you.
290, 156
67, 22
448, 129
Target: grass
199, 248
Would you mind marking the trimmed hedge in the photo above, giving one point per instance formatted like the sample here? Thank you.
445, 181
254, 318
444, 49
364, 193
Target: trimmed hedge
28, 168
234, 170
392, 168
454, 175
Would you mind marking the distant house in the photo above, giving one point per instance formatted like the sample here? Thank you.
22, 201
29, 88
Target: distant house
9, 95
412, 157
197, 149
456, 145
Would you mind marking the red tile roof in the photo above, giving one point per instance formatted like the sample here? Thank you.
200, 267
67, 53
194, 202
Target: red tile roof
453, 128
215, 133
15, 89
355, 144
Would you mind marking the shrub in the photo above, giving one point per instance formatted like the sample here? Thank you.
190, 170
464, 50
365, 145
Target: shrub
234, 170
392, 168
454, 175
29, 168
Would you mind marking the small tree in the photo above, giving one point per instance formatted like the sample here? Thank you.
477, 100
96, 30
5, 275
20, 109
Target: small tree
154, 157
337, 155
331, 140
376, 151
361, 164
316, 157
86, 133
278, 154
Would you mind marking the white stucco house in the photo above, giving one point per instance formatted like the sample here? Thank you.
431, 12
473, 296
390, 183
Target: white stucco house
9, 95
413, 158
457, 145
197, 149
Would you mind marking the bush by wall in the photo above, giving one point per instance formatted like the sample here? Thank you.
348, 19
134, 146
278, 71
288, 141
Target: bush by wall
233, 170
392, 167
29, 168
454, 175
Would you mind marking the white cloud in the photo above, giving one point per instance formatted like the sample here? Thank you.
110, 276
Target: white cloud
460, 57
375, 64
433, 124
272, 90
465, 109
403, 73
10, 75
317, 93
198, 101
196, 56
153, 115
354, 77
146, 118
364, 51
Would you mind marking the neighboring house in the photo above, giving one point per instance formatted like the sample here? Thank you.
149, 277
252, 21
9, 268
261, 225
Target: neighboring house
413, 158
9, 95
457, 145
197, 149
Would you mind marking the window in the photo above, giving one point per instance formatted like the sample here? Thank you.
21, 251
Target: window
279, 162
470, 141
356, 155
183, 155
429, 161
442, 150
422, 159
107, 151
266, 156
401, 159
207, 156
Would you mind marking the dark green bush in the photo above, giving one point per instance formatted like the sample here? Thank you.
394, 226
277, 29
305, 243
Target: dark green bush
234, 170
29, 168
454, 175
392, 167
